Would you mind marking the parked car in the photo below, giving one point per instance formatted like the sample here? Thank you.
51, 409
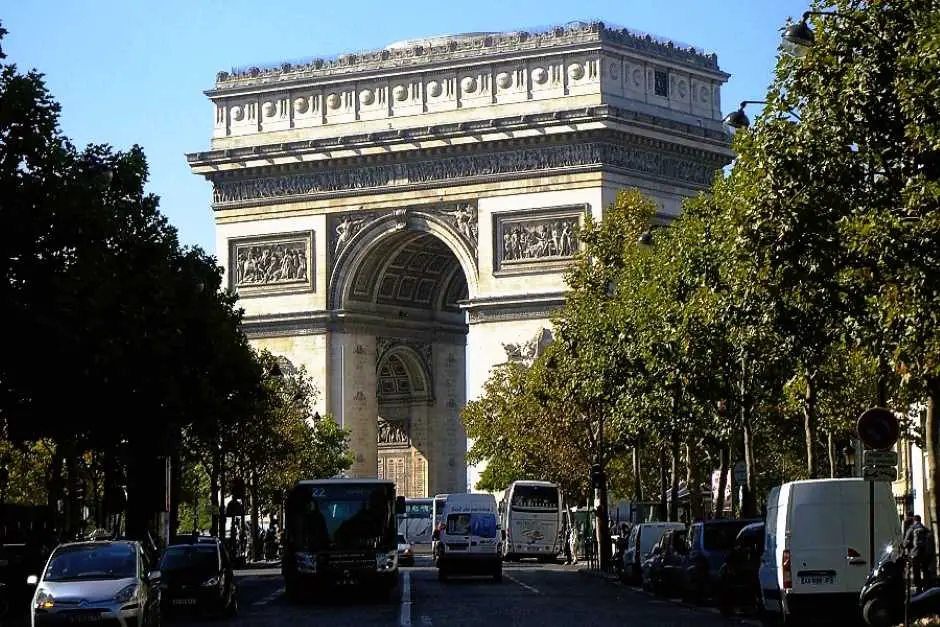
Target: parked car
198, 577
108, 581
667, 560
643, 537
406, 555
738, 584
709, 543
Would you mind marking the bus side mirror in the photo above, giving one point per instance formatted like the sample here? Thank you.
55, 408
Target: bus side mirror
400, 505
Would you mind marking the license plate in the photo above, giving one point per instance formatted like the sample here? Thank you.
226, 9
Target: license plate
817, 580
184, 601
85, 618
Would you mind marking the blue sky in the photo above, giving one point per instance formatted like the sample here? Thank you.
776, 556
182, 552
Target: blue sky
133, 71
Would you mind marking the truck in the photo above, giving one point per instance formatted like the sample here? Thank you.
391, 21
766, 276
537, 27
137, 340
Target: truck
470, 540
340, 532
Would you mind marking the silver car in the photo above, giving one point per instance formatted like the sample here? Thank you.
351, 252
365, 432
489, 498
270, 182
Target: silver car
97, 584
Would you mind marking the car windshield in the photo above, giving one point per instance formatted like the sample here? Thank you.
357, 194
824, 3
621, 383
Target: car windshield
197, 557
482, 525
92, 561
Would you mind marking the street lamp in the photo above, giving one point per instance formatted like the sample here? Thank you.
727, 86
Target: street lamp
798, 37
849, 453
737, 120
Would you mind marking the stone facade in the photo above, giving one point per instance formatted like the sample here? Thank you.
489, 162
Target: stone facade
399, 221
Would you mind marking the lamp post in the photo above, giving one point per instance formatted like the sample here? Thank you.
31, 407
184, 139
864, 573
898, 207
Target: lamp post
738, 119
849, 454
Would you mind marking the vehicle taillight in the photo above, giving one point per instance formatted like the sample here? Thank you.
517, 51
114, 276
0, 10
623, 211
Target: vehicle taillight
787, 578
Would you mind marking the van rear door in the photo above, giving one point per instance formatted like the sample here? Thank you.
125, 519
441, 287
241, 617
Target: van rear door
817, 538
855, 529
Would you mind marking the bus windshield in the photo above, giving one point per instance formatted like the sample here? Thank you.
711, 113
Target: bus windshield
321, 517
535, 498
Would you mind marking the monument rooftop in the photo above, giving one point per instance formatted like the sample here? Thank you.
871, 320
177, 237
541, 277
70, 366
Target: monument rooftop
423, 51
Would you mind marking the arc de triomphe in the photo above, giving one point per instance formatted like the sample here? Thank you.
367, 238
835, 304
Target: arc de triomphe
392, 219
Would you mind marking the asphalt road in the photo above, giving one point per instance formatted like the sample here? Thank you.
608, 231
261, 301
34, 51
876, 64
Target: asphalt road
530, 595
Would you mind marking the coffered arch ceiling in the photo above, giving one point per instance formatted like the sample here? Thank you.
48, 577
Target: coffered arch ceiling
413, 270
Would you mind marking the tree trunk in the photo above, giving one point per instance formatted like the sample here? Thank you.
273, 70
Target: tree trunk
831, 450
176, 480
809, 420
932, 443
637, 479
675, 451
255, 505
719, 496
663, 486
749, 500
692, 482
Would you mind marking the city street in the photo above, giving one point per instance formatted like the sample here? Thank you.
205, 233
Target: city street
530, 595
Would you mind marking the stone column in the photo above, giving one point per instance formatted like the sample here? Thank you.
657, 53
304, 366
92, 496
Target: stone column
353, 400
449, 460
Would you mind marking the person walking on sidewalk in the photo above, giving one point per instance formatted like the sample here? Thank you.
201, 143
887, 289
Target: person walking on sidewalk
919, 544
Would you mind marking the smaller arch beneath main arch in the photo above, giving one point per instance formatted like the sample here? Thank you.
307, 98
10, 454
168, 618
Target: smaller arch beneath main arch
402, 362
396, 226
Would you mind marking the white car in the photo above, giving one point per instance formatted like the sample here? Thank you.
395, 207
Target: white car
96, 582
406, 555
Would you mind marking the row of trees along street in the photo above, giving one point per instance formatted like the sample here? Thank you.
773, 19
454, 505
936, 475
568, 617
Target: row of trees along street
801, 289
124, 349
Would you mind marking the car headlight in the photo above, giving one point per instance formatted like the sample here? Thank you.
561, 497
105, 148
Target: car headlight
386, 561
44, 600
212, 581
126, 593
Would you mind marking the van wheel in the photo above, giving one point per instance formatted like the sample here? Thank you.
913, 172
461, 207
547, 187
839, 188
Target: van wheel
877, 612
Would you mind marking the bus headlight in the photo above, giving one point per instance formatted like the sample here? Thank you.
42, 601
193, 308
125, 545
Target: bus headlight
386, 561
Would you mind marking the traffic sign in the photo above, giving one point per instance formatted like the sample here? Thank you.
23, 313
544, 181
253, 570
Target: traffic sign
878, 428
880, 473
880, 458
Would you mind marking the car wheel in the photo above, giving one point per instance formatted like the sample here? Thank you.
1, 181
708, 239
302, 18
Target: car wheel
877, 612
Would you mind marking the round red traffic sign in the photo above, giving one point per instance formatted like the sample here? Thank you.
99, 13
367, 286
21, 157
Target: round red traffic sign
878, 428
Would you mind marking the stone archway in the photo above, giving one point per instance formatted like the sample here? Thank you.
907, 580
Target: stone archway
398, 286
404, 431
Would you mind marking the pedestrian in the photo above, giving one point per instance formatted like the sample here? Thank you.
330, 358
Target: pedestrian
569, 539
919, 544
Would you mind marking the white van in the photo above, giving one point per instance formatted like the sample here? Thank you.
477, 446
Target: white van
470, 540
642, 538
816, 551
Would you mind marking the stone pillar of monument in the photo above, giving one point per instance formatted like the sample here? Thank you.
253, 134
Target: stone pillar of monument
353, 398
450, 397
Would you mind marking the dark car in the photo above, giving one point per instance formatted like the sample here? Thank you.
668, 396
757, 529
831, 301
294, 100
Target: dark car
197, 576
710, 541
738, 583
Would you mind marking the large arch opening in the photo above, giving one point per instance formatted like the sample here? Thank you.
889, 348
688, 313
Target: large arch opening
404, 289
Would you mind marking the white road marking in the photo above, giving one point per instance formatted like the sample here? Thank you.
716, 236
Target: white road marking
405, 616
270, 598
524, 585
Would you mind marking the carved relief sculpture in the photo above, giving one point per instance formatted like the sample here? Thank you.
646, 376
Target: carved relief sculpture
464, 219
467, 166
271, 263
392, 432
539, 239
527, 352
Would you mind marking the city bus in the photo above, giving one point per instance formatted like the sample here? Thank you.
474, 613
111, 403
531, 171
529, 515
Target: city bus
340, 531
437, 513
531, 514
416, 524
